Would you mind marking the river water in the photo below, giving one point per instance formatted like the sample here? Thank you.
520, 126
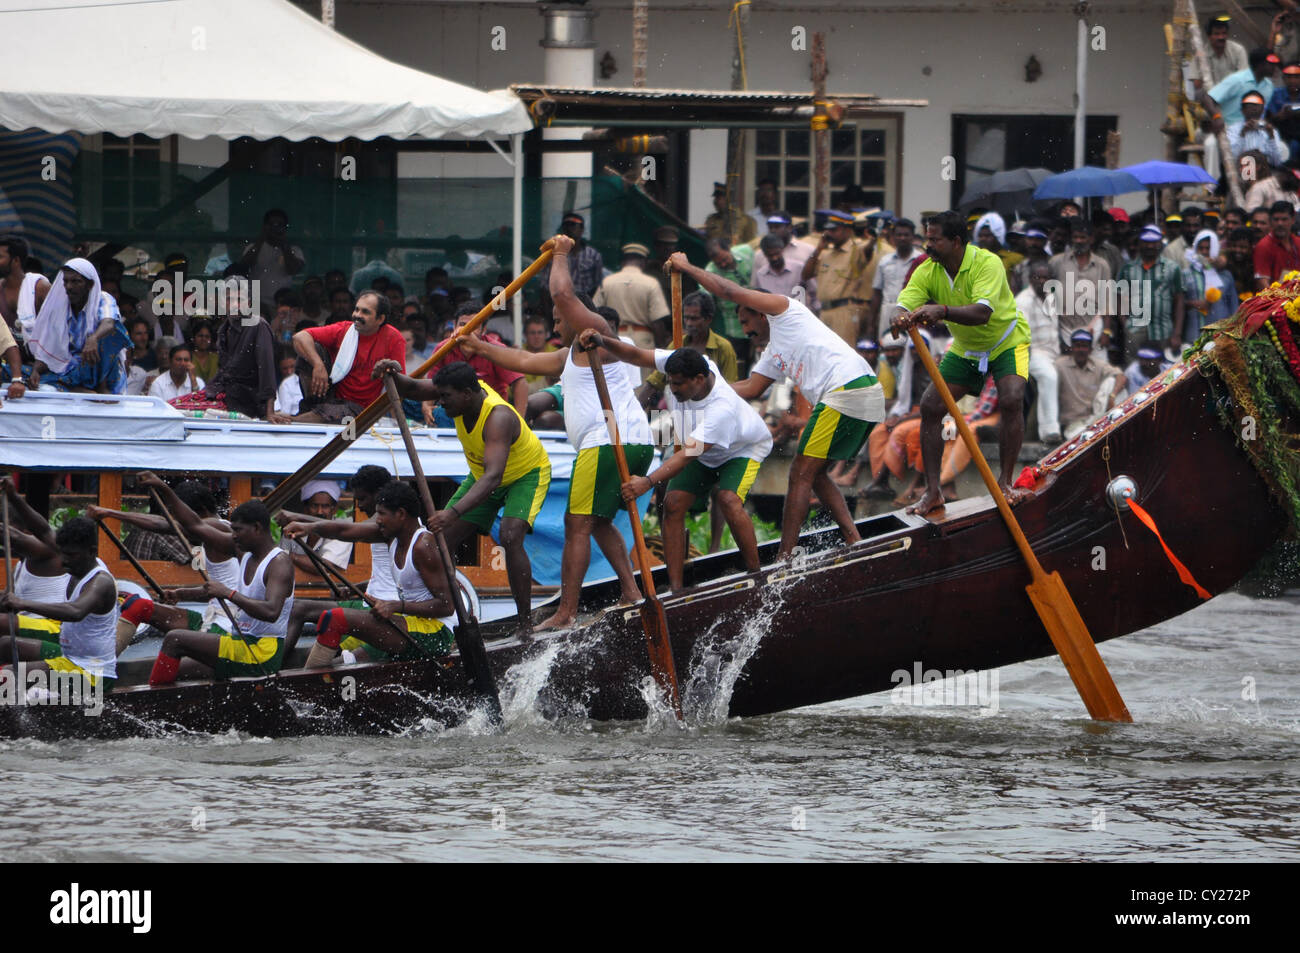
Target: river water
1208, 772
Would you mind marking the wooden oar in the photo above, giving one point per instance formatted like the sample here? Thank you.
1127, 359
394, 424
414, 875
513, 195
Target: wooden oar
10, 614
200, 564
678, 333
1047, 591
292, 484
469, 640
144, 573
653, 618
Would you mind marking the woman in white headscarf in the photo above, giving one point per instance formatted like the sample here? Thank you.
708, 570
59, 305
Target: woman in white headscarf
996, 240
1200, 275
78, 337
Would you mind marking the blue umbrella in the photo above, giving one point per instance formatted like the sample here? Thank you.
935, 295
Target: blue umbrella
1157, 173
1087, 181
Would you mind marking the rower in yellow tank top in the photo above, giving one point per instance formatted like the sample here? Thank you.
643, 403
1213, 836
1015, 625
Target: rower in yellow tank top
526, 453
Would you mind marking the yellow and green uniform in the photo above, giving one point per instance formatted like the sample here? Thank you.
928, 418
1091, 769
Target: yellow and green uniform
736, 475
831, 434
433, 639
525, 481
249, 656
595, 488
1001, 346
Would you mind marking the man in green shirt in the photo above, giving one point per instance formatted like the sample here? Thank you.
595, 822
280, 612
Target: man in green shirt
735, 263
966, 287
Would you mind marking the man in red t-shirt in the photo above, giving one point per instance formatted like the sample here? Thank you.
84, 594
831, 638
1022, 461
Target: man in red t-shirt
511, 385
1279, 251
335, 361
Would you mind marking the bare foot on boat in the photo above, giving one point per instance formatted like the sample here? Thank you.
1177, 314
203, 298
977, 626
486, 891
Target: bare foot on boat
556, 621
1016, 494
929, 502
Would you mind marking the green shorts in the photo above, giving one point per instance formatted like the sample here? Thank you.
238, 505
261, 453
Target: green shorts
433, 639
237, 658
43, 630
556, 391
58, 663
195, 622
831, 435
521, 500
594, 486
964, 372
736, 475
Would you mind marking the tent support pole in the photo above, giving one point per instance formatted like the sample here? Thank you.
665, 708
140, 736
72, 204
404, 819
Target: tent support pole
517, 233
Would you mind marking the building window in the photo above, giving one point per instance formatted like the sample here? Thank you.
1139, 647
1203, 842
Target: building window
983, 145
122, 178
864, 153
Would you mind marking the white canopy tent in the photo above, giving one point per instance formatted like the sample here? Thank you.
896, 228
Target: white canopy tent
229, 68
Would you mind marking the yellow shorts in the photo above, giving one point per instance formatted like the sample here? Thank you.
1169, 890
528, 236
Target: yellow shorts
61, 664
256, 656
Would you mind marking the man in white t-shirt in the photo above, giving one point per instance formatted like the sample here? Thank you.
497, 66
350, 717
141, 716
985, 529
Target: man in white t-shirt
180, 378
846, 396
724, 441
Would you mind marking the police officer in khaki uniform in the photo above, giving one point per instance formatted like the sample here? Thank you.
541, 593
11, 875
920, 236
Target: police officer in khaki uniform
840, 266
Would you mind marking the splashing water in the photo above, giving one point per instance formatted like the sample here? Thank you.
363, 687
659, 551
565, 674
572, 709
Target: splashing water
717, 661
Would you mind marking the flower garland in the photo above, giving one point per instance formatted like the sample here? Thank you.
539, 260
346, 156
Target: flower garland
1284, 341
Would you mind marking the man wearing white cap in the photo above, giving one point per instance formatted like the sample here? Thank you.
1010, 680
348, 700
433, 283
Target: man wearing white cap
1089, 385
636, 296
78, 337
320, 499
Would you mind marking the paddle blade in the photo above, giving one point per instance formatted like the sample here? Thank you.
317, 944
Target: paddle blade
1074, 644
660, 651
473, 655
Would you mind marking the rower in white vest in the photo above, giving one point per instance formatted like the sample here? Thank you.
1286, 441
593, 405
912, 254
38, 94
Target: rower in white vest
39, 575
88, 611
262, 600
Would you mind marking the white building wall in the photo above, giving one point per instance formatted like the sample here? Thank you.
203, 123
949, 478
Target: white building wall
961, 61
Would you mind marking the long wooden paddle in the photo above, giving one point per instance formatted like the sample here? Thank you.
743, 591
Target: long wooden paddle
469, 640
201, 565
1047, 591
678, 333
292, 484
10, 614
653, 618
130, 557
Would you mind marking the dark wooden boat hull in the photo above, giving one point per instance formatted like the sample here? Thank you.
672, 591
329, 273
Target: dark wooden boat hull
946, 594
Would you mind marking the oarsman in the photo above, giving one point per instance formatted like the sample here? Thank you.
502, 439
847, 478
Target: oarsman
87, 609
840, 266
39, 575
21, 293
724, 441
419, 579
352, 348
180, 378
697, 318
262, 599
966, 287
78, 336
1085, 281
846, 396
195, 510
891, 274
509, 471
595, 494
320, 500
13, 359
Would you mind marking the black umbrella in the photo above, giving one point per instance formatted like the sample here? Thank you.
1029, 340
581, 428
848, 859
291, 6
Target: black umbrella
1009, 192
